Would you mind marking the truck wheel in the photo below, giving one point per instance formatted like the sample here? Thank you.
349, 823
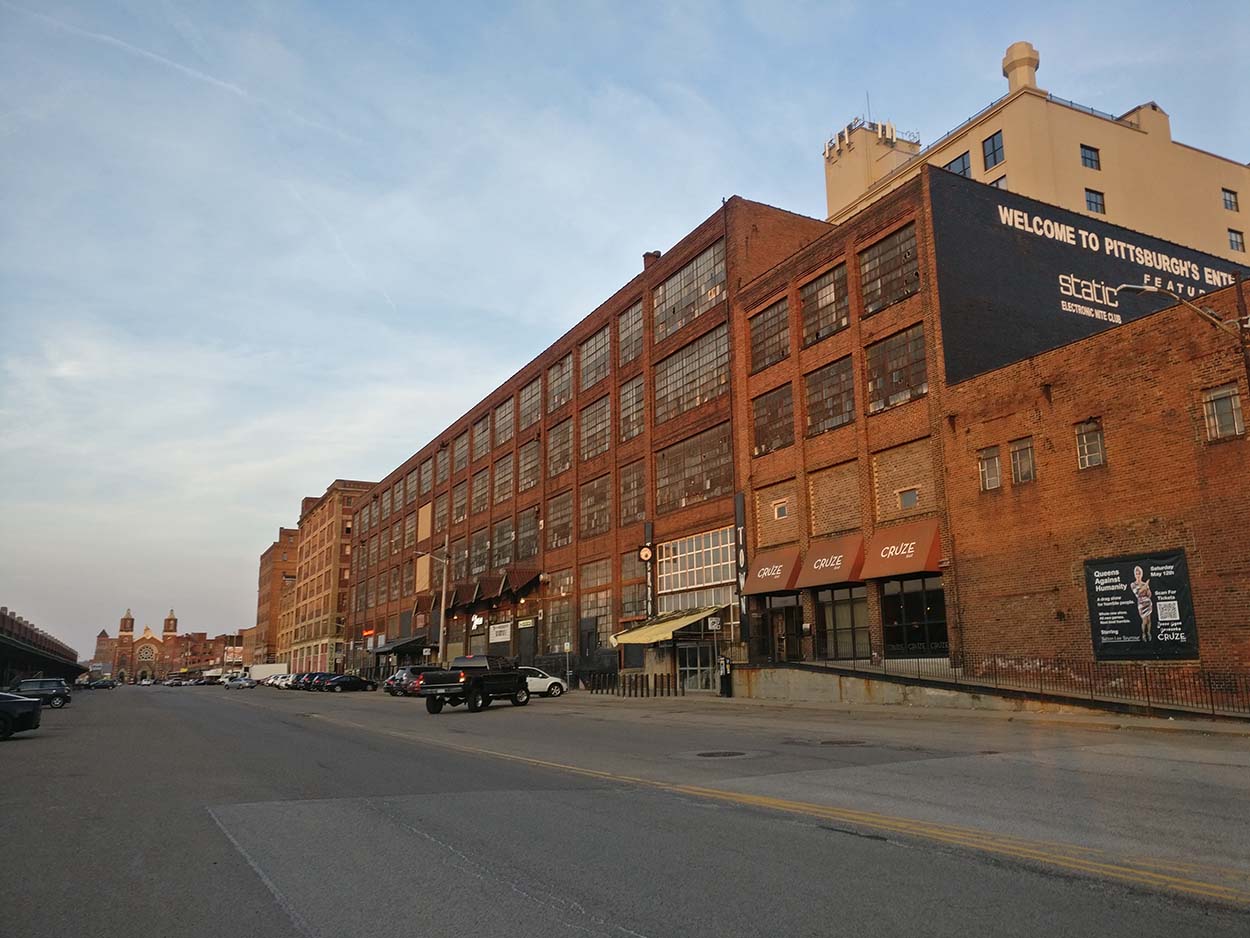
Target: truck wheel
475, 701
521, 697
433, 705
6, 726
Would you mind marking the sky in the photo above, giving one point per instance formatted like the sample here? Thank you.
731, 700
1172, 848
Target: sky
249, 248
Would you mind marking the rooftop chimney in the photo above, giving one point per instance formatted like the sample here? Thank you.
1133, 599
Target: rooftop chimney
649, 258
1020, 66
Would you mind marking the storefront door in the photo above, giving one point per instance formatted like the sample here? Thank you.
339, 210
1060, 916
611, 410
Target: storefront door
696, 667
786, 626
525, 641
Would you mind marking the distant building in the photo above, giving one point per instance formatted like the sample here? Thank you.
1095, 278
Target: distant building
165, 655
1126, 170
286, 621
277, 566
324, 556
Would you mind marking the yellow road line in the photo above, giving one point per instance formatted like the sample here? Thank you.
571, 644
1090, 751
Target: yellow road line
1003, 845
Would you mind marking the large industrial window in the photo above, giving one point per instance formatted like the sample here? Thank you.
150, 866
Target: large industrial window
633, 600
440, 512
559, 624
559, 448
913, 617
442, 463
693, 375
527, 534
770, 335
595, 356
425, 480
629, 333
697, 561
459, 559
502, 544
594, 507
992, 150
386, 503
1221, 407
479, 551
481, 490
410, 531
527, 466
773, 415
597, 607
690, 292
559, 383
459, 501
960, 165
896, 369
825, 304
594, 574
410, 488
889, 270
1089, 446
503, 422
373, 550
409, 584
460, 453
559, 521
632, 412
481, 437
633, 495
694, 470
830, 396
503, 479
596, 428
531, 403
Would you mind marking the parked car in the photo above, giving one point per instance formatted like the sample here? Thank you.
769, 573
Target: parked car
235, 683
400, 684
293, 683
474, 680
342, 682
53, 691
540, 682
146, 682
319, 680
173, 682
307, 681
18, 714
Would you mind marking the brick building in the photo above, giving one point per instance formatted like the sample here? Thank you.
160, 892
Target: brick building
789, 416
277, 567
286, 621
320, 601
170, 653
946, 444
544, 491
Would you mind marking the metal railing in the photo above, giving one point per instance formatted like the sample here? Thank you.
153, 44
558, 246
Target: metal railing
1180, 687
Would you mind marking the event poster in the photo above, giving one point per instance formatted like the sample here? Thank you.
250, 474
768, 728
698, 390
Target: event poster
1140, 607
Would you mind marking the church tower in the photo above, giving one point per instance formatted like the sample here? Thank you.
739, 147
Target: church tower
122, 664
171, 624
127, 625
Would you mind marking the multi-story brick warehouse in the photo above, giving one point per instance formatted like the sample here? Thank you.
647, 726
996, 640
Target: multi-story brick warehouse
816, 392
324, 552
947, 448
616, 435
277, 567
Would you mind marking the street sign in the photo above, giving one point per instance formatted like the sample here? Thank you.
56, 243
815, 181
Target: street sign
713, 623
426, 652
568, 646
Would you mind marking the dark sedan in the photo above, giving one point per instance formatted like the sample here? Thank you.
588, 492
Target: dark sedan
349, 682
18, 714
52, 691
315, 680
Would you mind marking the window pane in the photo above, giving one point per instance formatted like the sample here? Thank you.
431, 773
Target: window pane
693, 375
889, 270
830, 396
770, 336
632, 409
594, 358
825, 304
690, 292
896, 369
694, 470
629, 329
773, 420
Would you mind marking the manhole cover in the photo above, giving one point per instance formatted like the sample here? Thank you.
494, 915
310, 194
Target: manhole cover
842, 742
719, 754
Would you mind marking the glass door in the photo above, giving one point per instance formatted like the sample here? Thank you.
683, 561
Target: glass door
696, 667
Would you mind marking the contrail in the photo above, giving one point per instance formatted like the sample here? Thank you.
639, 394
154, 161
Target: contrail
196, 74
338, 242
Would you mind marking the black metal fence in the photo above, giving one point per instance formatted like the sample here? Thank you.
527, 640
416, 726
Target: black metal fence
636, 685
1180, 687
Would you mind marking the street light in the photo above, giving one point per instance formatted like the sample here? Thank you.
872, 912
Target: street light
1230, 326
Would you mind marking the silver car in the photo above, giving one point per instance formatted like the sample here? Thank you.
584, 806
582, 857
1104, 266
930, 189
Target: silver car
236, 682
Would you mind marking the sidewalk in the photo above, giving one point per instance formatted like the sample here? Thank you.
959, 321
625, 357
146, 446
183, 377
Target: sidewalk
1059, 716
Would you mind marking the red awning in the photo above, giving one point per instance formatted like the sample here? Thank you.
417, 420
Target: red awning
832, 560
773, 571
904, 548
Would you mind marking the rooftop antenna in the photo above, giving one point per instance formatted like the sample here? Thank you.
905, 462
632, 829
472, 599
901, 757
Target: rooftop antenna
868, 103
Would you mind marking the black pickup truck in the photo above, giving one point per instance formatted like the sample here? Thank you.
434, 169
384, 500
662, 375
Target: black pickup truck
474, 680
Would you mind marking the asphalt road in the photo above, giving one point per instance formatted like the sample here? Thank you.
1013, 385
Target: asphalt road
205, 812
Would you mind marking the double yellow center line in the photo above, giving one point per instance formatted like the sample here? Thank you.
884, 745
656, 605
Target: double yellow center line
1143, 871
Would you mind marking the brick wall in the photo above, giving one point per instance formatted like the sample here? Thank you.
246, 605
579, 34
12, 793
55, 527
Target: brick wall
771, 530
835, 501
903, 467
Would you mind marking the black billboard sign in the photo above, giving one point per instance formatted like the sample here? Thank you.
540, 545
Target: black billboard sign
1141, 607
1017, 277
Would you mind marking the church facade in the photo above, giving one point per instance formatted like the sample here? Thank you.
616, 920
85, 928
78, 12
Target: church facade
157, 657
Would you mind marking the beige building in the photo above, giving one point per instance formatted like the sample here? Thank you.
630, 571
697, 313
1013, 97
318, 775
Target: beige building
1127, 169
324, 556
